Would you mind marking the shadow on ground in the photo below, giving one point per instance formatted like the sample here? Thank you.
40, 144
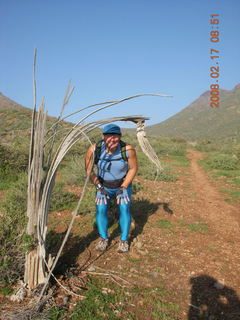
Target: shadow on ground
141, 210
211, 300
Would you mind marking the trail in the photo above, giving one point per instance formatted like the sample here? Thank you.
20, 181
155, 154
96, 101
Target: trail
225, 217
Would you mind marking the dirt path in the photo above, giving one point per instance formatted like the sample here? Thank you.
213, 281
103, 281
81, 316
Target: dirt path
225, 217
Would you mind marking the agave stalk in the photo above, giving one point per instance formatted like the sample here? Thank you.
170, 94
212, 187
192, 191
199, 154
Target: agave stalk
44, 162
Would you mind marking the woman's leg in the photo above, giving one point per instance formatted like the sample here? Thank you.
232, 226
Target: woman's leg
102, 216
125, 217
102, 220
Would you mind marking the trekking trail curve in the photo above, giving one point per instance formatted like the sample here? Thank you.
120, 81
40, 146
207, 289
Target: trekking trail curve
223, 216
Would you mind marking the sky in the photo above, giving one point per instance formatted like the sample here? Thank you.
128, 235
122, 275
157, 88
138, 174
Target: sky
113, 49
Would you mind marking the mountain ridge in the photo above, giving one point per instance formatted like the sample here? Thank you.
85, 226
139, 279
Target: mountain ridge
199, 121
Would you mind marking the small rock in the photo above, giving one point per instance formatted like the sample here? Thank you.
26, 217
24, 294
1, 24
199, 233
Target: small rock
19, 295
134, 255
59, 300
92, 268
107, 291
218, 285
154, 275
66, 299
117, 313
104, 292
132, 225
138, 244
143, 253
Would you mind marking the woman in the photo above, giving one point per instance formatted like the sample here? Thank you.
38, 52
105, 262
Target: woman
116, 163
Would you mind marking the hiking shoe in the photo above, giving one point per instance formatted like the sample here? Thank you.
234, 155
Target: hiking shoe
123, 246
102, 245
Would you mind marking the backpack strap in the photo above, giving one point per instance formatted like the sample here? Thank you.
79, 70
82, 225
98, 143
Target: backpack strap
123, 150
97, 152
98, 149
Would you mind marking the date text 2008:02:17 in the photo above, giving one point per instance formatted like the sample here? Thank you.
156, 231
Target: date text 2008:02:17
214, 55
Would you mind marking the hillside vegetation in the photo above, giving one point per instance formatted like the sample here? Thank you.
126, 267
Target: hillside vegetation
15, 123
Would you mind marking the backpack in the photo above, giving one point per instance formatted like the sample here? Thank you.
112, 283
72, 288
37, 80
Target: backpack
97, 152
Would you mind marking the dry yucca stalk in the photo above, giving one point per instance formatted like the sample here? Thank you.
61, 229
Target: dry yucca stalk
44, 161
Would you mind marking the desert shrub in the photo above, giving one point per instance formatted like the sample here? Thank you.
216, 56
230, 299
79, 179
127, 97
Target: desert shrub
168, 147
178, 140
177, 149
73, 172
167, 175
97, 305
88, 204
226, 148
12, 162
147, 170
161, 149
62, 199
207, 146
136, 187
13, 239
236, 151
222, 161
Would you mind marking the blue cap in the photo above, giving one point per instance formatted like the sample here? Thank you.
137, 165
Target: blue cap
111, 128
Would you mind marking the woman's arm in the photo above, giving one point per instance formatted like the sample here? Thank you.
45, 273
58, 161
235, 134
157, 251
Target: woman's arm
132, 166
89, 158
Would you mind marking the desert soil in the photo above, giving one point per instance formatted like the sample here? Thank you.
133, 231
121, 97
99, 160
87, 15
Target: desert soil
186, 238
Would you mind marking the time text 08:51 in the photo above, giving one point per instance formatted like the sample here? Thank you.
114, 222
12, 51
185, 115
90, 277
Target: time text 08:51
214, 55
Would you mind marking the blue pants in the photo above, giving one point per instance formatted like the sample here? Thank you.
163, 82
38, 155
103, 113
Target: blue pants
124, 215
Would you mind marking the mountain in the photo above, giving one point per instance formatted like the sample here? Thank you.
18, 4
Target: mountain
15, 122
199, 121
8, 104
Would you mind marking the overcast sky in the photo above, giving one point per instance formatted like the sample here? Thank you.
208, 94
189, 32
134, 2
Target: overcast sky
111, 49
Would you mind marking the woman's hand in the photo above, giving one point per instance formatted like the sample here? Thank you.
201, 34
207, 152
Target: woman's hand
122, 196
101, 196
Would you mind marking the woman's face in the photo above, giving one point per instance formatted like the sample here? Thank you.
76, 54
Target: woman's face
111, 140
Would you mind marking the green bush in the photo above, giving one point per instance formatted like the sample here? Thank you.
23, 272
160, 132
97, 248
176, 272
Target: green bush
168, 147
14, 242
207, 146
236, 151
177, 149
97, 305
147, 170
166, 175
13, 239
74, 171
12, 162
13, 159
88, 202
62, 199
222, 161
